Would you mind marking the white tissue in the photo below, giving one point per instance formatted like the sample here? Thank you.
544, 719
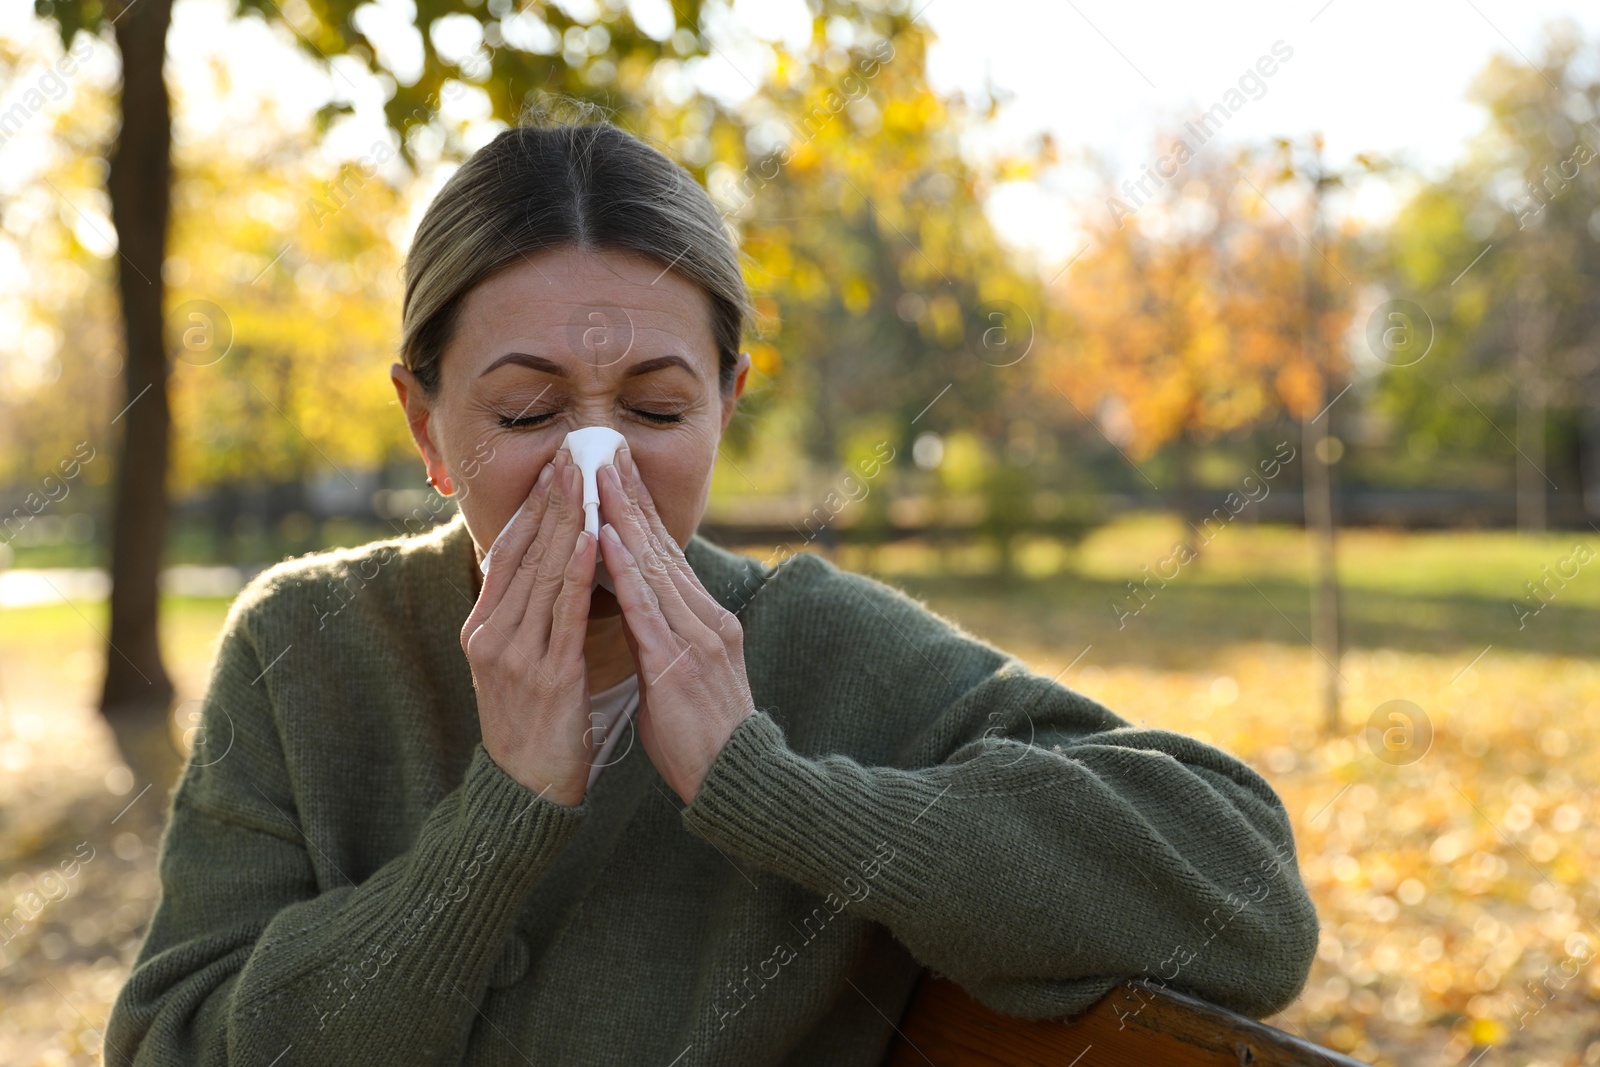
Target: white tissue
591, 448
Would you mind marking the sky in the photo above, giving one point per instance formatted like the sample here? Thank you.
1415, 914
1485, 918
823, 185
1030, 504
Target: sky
1386, 77
1102, 76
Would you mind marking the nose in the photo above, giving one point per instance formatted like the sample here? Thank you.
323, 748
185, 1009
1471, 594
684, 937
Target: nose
594, 405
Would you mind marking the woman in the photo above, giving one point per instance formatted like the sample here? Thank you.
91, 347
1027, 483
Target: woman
420, 830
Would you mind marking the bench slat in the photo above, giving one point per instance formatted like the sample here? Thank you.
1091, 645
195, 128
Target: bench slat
1134, 1025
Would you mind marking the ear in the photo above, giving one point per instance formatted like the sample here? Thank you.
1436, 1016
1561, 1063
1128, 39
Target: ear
418, 415
741, 373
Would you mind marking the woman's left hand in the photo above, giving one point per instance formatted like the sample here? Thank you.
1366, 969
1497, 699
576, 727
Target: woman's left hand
689, 649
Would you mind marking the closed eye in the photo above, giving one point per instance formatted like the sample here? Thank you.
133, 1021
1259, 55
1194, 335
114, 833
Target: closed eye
664, 418
512, 423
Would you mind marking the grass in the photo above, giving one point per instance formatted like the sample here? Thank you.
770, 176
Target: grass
1426, 592
1454, 889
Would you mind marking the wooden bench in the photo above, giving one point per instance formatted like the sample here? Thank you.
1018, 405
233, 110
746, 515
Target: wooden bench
1137, 1024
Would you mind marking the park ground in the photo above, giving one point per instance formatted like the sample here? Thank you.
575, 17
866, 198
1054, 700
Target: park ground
1455, 886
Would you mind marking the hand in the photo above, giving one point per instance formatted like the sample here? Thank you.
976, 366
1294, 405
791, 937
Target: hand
689, 649
524, 640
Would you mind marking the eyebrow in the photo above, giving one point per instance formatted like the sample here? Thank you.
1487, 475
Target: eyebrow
540, 363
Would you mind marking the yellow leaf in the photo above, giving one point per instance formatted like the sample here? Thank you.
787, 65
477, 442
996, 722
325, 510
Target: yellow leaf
1487, 1032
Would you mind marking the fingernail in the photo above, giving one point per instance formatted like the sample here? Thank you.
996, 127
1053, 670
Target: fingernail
581, 535
546, 475
626, 459
611, 534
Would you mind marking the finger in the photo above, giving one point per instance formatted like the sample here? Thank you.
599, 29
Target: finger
695, 594
514, 538
511, 544
555, 546
634, 487
569, 616
633, 642
641, 607
544, 559
651, 562
633, 650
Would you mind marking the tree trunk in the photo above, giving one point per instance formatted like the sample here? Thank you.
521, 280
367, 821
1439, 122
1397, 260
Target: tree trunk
1531, 496
1317, 477
1589, 451
1190, 499
137, 694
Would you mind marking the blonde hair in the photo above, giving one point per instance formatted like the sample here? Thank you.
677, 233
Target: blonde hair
542, 186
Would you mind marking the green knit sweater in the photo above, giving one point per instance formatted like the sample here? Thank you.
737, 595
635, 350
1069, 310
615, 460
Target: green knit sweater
348, 878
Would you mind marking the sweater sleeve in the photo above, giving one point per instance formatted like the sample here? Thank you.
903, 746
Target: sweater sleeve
245, 958
1038, 852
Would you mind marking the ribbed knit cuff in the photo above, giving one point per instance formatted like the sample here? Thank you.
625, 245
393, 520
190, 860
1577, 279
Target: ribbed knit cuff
524, 821
816, 822
470, 871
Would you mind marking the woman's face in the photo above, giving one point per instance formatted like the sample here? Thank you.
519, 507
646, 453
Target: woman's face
566, 339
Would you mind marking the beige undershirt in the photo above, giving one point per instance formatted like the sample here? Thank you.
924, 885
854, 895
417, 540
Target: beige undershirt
608, 711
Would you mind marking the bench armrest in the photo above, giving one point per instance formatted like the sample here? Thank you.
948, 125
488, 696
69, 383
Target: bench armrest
1136, 1024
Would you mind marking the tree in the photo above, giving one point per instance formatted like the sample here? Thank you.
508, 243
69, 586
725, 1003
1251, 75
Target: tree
137, 688
1503, 253
1147, 320
1207, 313
888, 302
1181, 328
1325, 315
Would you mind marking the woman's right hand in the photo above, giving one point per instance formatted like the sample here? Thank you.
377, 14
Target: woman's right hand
524, 640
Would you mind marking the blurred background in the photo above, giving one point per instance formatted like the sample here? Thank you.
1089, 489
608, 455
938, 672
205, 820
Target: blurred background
1240, 369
